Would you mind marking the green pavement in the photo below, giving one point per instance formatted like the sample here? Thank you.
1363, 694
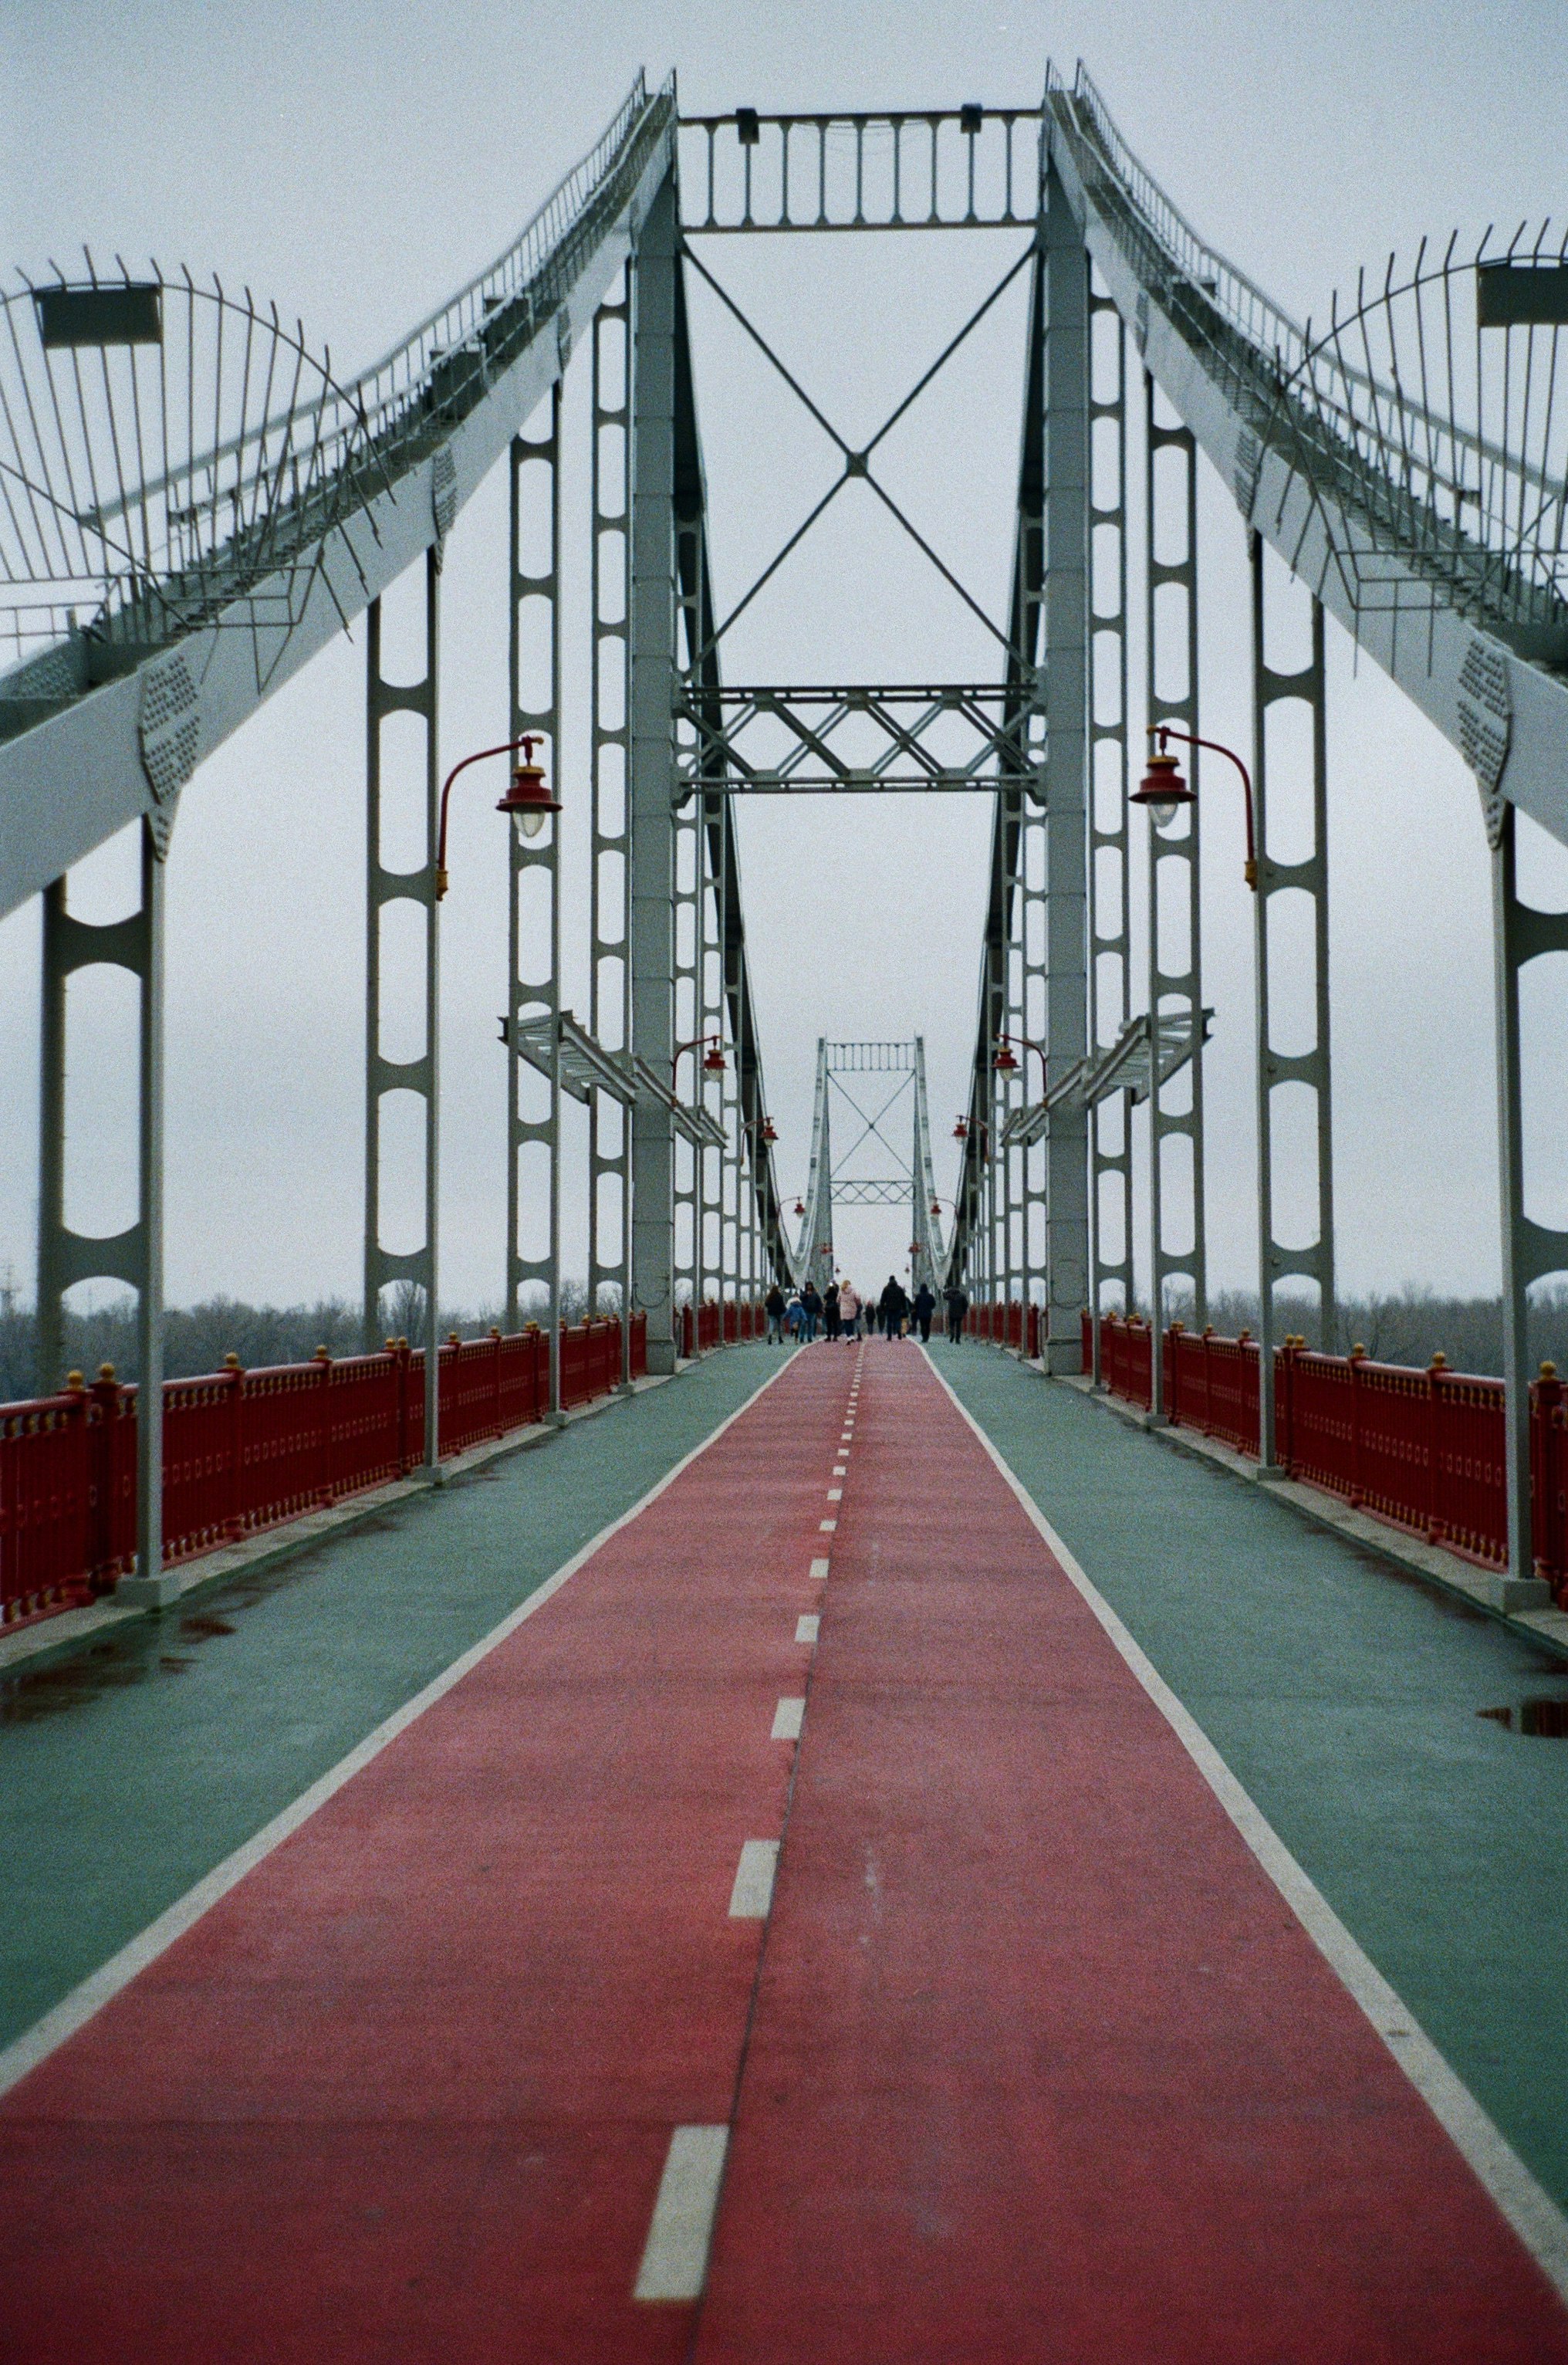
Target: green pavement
131, 1765
1347, 1697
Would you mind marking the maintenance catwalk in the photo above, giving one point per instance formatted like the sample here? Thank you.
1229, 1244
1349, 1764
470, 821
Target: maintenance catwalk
806, 1924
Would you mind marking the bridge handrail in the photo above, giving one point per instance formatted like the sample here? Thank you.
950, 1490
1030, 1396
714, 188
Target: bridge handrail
1479, 518
1422, 1449
173, 549
244, 1450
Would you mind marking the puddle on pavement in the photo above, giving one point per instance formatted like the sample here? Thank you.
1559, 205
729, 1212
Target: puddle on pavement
60, 1685
139, 1654
1537, 1720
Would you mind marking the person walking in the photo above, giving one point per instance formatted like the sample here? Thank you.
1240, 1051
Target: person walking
924, 1308
811, 1306
831, 1310
849, 1308
957, 1306
773, 1305
893, 1306
794, 1317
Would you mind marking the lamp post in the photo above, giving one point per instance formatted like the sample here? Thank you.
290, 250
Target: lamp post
528, 800
531, 805
766, 1135
1162, 792
1004, 1063
712, 1063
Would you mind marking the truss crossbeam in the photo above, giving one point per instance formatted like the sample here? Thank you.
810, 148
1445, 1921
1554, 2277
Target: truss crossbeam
946, 168
829, 739
871, 1190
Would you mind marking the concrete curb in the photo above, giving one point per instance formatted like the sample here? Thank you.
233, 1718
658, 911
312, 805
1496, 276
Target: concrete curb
73, 1626
1440, 1569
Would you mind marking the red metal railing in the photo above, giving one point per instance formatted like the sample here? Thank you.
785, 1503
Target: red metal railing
709, 1325
1010, 1325
1423, 1450
243, 1451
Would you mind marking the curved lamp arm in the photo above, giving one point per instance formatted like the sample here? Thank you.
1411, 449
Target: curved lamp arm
510, 748
1217, 748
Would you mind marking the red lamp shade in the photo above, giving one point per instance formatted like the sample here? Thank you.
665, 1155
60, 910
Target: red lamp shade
714, 1060
1162, 788
961, 1130
528, 800
800, 1206
937, 1206
767, 1132
1004, 1063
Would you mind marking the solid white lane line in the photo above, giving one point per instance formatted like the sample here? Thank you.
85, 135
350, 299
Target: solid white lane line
36, 2044
788, 1719
819, 1568
1528, 2208
807, 1628
753, 1892
675, 2257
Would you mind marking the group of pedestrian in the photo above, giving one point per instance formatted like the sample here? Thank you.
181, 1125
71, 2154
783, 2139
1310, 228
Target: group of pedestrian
840, 1312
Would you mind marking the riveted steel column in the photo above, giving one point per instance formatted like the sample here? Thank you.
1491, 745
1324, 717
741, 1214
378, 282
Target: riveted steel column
689, 905
609, 1169
1110, 948
538, 995
1314, 1261
58, 931
136, 1255
1065, 668
1176, 1108
1520, 933
651, 753
420, 1075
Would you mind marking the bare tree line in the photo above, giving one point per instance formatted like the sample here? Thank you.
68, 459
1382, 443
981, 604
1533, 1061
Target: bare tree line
197, 1337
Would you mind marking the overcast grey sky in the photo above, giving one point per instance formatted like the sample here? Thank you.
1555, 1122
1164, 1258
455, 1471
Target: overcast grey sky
357, 163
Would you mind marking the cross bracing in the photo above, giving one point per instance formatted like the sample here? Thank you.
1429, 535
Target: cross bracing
176, 546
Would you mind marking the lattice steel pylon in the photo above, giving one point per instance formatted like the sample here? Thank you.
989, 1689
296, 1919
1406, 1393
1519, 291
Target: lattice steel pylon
831, 1184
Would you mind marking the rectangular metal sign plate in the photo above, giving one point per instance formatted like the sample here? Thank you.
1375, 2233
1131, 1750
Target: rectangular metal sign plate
100, 316
1521, 294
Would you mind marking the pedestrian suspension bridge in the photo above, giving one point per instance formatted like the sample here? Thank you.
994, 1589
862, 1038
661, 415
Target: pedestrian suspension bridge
575, 1843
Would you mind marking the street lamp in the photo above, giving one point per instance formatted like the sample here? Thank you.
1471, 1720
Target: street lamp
1163, 790
1003, 1062
713, 1058
528, 800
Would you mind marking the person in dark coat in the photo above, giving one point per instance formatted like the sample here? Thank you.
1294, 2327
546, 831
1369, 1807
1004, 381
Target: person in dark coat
774, 1305
831, 1315
924, 1308
893, 1307
811, 1306
957, 1306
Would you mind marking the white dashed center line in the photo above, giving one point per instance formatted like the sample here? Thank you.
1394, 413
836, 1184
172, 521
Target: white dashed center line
675, 2257
807, 1628
788, 1718
753, 1892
